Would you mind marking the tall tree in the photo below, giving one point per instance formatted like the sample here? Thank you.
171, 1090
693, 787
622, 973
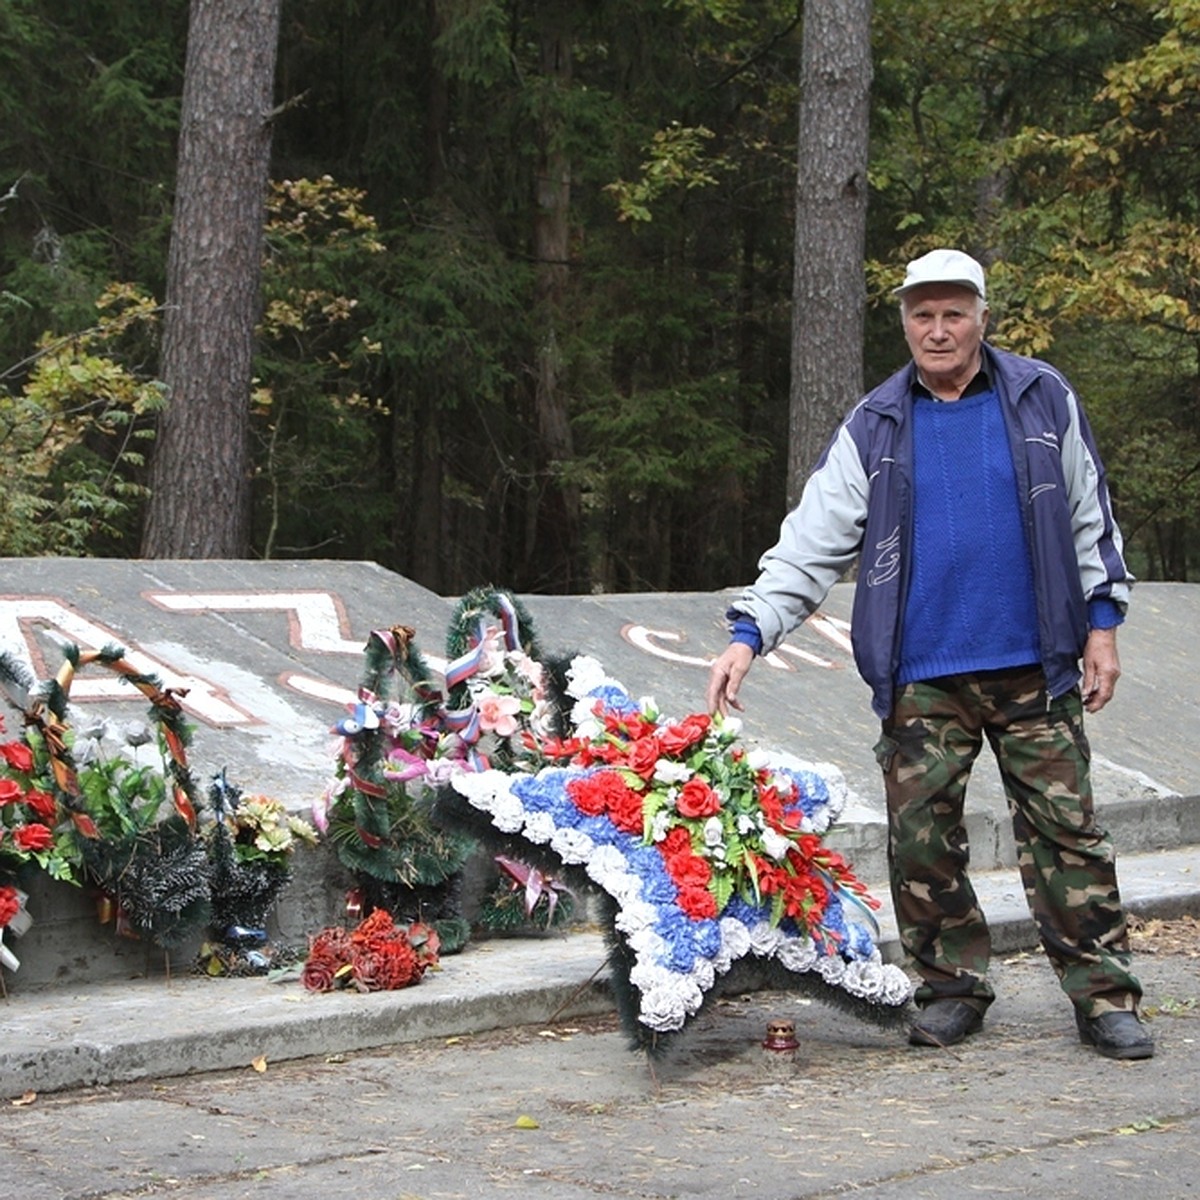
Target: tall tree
200, 507
558, 515
829, 293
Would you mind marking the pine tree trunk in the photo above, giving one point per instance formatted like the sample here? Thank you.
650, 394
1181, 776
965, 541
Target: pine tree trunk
557, 538
828, 294
200, 475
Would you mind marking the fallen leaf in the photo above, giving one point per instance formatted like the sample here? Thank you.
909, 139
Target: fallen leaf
24, 1099
259, 1063
524, 1122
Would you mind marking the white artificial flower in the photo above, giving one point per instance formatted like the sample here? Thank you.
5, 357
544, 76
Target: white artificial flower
482, 789
584, 675
660, 825
584, 720
635, 916
735, 938
704, 974
775, 844
572, 845
714, 833
539, 828
508, 814
662, 1009
645, 976
831, 968
764, 939
895, 987
646, 944
541, 719
797, 954
666, 770
863, 979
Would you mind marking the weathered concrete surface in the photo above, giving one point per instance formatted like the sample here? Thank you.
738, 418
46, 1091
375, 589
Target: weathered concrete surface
271, 653
106, 1032
560, 1109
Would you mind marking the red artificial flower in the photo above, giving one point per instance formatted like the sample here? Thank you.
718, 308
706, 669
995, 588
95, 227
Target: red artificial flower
379, 925
18, 756
32, 837
9, 905
643, 755
42, 803
677, 842
697, 799
626, 810
554, 747
425, 942
771, 803
319, 971
10, 791
684, 734
697, 903
689, 870
589, 795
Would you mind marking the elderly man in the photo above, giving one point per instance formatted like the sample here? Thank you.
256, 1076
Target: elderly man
969, 486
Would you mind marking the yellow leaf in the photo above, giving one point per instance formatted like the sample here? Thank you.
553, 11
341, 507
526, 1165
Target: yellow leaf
524, 1122
259, 1063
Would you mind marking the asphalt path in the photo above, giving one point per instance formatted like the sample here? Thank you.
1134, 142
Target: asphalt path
567, 1111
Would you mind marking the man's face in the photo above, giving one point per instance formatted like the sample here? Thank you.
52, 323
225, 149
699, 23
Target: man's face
944, 326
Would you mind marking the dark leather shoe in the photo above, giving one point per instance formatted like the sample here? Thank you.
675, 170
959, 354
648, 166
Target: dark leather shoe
1115, 1035
945, 1023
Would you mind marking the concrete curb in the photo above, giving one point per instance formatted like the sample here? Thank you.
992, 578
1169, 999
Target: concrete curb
89, 1035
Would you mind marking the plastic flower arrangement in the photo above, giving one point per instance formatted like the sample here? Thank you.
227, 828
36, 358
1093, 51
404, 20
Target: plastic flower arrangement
32, 831
115, 807
249, 844
708, 851
397, 746
378, 955
263, 830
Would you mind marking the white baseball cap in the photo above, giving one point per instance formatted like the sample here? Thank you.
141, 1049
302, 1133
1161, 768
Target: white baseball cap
943, 266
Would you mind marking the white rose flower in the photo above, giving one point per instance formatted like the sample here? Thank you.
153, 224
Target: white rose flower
668, 771
714, 832
775, 844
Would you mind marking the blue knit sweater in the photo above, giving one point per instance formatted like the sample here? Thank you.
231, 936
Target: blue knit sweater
971, 604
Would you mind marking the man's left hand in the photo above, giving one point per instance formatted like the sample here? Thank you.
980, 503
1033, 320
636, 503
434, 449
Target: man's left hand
1101, 669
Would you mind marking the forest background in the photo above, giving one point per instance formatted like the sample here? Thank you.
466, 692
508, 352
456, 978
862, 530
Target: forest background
527, 301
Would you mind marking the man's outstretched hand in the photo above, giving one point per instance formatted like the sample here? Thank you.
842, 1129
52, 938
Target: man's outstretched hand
725, 678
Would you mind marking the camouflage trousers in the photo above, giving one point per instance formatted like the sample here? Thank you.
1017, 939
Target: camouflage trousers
926, 751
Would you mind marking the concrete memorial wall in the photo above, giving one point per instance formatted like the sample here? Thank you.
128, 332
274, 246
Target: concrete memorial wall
271, 654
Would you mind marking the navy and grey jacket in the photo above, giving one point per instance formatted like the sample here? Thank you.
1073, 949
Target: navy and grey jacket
858, 502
